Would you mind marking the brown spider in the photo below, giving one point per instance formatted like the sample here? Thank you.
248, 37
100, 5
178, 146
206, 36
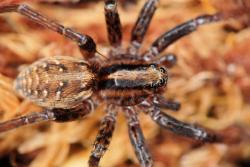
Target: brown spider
70, 88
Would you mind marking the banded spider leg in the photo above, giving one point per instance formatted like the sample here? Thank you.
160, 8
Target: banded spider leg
86, 44
141, 26
113, 23
153, 108
166, 39
57, 115
137, 138
114, 29
103, 137
169, 37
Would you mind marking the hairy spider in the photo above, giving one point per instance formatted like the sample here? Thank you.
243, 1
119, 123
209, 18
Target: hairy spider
70, 88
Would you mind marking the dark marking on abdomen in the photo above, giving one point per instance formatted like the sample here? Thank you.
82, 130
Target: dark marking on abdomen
117, 67
123, 84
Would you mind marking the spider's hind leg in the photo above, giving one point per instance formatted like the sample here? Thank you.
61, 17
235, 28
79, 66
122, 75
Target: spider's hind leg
46, 115
86, 43
57, 115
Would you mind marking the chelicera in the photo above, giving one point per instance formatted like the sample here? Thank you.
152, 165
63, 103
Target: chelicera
69, 88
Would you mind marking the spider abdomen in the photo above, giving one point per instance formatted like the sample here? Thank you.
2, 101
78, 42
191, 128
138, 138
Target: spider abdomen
56, 82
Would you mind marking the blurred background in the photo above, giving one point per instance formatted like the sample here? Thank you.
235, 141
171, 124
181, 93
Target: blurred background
211, 80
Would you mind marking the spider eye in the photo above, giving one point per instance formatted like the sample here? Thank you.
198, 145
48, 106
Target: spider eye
162, 70
162, 82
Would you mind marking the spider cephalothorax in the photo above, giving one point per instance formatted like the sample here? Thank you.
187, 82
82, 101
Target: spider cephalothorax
69, 88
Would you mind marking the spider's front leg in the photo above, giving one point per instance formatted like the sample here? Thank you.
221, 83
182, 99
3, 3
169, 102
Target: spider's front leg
137, 138
176, 33
86, 43
172, 124
161, 102
141, 26
105, 133
158, 101
169, 60
57, 115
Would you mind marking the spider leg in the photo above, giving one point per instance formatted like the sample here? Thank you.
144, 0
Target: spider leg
159, 101
102, 140
176, 33
86, 43
66, 115
46, 115
168, 60
137, 138
181, 128
141, 26
113, 23
162, 102
58, 115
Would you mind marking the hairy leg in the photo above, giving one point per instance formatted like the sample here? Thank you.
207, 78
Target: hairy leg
181, 128
46, 115
176, 33
102, 140
162, 102
58, 115
86, 43
159, 101
169, 60
113, 23
141, 26
137, 138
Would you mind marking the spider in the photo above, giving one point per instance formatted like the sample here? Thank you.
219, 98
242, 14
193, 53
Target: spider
70, 88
